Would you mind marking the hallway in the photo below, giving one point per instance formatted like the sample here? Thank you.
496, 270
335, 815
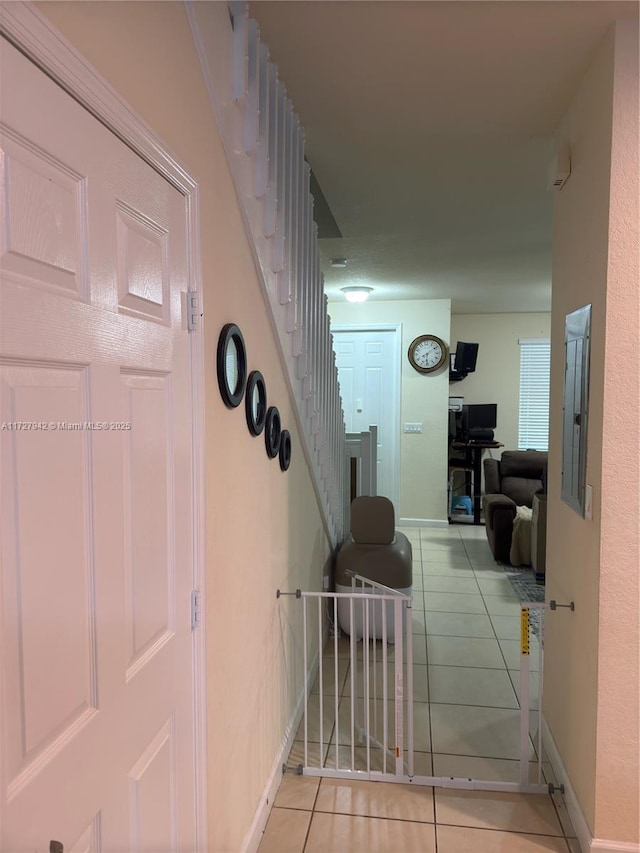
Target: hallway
465, 631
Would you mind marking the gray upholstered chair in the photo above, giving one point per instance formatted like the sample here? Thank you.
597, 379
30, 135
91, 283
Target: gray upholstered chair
375, 550
510, 482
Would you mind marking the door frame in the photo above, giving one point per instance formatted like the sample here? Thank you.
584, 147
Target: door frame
32, 33
396, 330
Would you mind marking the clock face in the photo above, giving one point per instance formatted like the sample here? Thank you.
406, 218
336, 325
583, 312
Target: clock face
427, 353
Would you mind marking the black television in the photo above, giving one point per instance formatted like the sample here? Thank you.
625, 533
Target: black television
464, 361
479, 421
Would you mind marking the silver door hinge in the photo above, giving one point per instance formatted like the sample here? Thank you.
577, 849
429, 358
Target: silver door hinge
195, 608
194, 312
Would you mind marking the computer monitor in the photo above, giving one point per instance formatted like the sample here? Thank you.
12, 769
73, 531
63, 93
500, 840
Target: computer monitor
482, 415
478, 421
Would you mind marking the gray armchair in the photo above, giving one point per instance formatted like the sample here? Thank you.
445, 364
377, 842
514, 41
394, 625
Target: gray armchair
375, 550
510, 482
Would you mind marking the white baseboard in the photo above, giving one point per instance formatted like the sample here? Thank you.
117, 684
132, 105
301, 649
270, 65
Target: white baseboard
422, 522
599, 845
253, 837
588, 844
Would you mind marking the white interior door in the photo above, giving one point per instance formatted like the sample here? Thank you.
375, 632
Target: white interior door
96, 486
369, 373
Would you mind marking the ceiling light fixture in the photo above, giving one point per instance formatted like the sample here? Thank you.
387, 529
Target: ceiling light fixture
357, 293
338, 263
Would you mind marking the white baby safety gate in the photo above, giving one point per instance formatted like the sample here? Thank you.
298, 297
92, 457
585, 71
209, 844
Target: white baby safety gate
358, 709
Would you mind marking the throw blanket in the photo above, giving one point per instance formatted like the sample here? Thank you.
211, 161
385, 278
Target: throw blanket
520, 554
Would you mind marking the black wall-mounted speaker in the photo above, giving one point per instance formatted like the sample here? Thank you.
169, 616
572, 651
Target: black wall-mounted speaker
466, 357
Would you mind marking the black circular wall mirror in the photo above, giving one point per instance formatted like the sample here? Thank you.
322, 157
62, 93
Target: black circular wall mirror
255, 402
285, 450
231, 365
272, 432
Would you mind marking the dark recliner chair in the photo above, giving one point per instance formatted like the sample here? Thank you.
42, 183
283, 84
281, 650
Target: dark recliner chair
510, 482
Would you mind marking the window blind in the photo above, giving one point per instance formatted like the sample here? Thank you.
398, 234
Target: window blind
533, 416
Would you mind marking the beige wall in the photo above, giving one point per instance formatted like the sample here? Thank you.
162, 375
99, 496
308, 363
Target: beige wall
264, 528
591, 656
497, 376
423, 457
618, 746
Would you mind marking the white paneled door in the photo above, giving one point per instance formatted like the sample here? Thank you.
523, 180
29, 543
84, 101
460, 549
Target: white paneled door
97, 730
368, 365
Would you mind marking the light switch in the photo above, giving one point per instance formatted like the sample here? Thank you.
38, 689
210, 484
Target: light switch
413, 428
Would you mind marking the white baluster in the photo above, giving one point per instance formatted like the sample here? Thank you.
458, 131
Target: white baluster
271, 212
302, 333
239, 54
261, 164
294, 241
277, 262
252, 106
284, 281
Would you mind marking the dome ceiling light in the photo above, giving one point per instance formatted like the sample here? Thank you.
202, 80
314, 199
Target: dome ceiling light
357, 293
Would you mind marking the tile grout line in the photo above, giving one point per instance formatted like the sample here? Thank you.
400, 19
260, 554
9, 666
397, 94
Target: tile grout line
313, 811
431, 703
426, 646
495, 637
491, 615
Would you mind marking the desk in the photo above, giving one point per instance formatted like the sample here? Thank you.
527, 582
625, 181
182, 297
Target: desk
472, 458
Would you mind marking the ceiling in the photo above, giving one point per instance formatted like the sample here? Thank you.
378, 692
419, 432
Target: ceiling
428, 128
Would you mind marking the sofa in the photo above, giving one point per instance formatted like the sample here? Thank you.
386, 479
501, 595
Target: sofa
510, 482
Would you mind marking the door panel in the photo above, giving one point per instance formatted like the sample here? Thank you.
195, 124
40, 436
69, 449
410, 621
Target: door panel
149, 513
90, 839
95, 486
368, 373
50, 671
152, 801
46, 219
143, 274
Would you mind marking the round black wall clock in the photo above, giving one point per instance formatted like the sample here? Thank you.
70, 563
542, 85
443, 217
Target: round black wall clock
285, 450
272, 432
255, 402
231, 365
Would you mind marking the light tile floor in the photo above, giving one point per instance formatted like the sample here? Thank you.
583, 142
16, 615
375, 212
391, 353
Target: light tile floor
466, 662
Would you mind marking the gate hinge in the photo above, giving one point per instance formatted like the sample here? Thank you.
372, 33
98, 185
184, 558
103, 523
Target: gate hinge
195, 608
194, 312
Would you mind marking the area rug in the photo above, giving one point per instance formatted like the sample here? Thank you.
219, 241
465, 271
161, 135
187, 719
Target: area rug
523, 581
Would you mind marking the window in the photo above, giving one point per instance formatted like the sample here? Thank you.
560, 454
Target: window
533, 417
